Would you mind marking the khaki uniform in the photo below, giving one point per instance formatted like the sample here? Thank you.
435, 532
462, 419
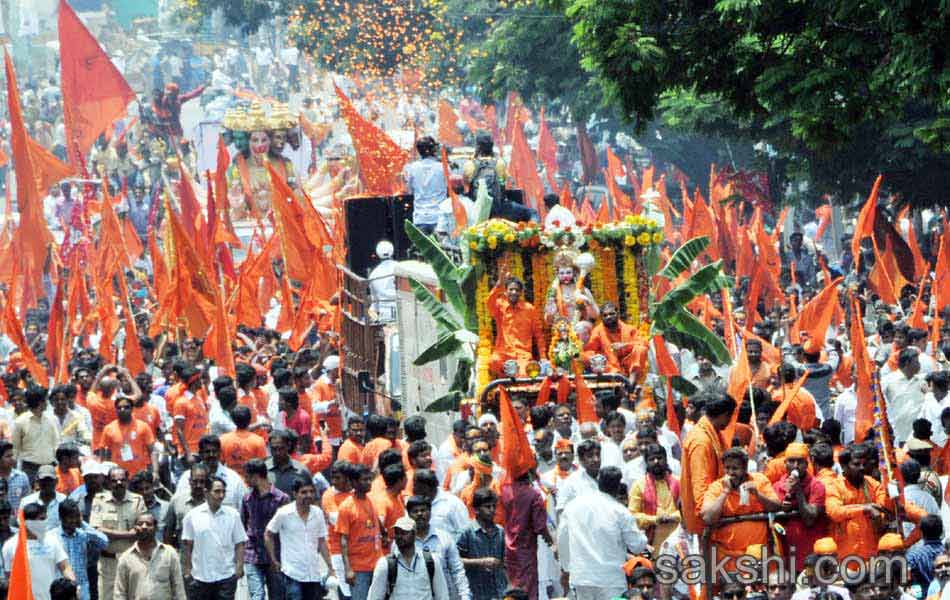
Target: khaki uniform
158, 578
109, 513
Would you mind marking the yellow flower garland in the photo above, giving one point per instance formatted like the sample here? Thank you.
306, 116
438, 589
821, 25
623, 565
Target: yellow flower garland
631, 294
515, 264
483, 354
606, 261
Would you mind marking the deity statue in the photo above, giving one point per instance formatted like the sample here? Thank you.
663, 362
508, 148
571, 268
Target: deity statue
565, 345
281, 122
249, 182
567, 296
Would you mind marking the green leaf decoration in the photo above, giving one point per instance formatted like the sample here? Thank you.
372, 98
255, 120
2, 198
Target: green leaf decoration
450, 401
445, 320
444, 346
684, 256
445, 269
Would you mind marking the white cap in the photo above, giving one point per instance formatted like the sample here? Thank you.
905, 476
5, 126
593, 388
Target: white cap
384, 249
487, 418
405, 524
332, 362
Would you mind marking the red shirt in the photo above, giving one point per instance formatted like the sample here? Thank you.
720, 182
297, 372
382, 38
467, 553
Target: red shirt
797, 534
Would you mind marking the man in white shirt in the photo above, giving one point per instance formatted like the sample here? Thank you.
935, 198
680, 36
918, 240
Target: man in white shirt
595, 535
846, 406
382, 283
558, 217
935, 401
416, 577
47, 556
448, 512
209, 452
584, 480
303, 540
904, 392
213, 541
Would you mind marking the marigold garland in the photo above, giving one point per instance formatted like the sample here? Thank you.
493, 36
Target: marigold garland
483, 353
515, 264
630, 289
606, 260
643, 283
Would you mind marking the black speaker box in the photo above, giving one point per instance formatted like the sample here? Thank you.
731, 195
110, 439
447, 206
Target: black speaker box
370, 220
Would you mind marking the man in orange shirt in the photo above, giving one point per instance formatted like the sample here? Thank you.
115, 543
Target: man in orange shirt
613, 339
738, 493
777, 438
801, 409
253, 397
761, 369
390, 501
240, 445
340, 489
419, 456
352, 448
857, 506
327, 408
384, 432
191, 414
517, 325
358, 524
302, 383
101, 405
68, 476
128, 442
702, 457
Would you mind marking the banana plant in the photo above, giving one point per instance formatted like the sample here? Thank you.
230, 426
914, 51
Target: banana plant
669, 315
455, 319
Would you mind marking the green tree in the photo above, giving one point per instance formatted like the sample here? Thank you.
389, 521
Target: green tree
840, 90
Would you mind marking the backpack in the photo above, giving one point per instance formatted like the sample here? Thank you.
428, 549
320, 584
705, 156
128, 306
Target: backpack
486, 174
392, 571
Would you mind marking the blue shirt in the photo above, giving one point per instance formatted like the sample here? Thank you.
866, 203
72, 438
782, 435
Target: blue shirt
18, 485
79, 546
920, 559
475, 542
440, 543
426, 181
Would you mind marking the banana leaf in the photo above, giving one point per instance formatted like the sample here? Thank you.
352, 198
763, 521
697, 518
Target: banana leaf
683, 386
706, 342
445, 320
444, 346
684, 256
450, 401
445, 268
707, 280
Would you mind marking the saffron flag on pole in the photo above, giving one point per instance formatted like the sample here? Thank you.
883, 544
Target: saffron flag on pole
547, 150
516, 456
524, 170
94, 92
864, 227
380, 159
448, 125
864, 375
20, 585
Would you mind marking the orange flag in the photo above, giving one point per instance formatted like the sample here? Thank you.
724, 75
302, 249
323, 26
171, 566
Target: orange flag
380, 159
566, 200
133, 351
20, 586
586, 405
298, 250
703, 222
864, 412
56, 328
94, 92
740, 382
586, 211
112, 251
547, 149
864, 226
668, 369
885, 277
941, 284
524, 169
133, 245
14, 331
217, 345
190, 208
779, 413
815, 317
919, 309
32, 236
225, 234
603, 212
458, 209
516, 456
448, 125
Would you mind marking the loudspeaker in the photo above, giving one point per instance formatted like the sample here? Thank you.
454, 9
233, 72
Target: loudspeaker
371, 219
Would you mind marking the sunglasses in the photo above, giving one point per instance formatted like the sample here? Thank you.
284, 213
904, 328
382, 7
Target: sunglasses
733, 595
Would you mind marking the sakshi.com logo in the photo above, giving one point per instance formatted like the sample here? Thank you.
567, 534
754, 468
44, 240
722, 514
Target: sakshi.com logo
716, 568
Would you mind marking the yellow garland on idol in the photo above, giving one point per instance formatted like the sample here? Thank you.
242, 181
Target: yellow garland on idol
630, 290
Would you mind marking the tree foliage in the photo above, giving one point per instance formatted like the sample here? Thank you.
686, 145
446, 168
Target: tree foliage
841, 89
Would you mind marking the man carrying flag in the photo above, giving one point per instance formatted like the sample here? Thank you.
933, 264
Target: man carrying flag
33, 558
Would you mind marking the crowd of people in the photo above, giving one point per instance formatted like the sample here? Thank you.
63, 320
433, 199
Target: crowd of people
179, 476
